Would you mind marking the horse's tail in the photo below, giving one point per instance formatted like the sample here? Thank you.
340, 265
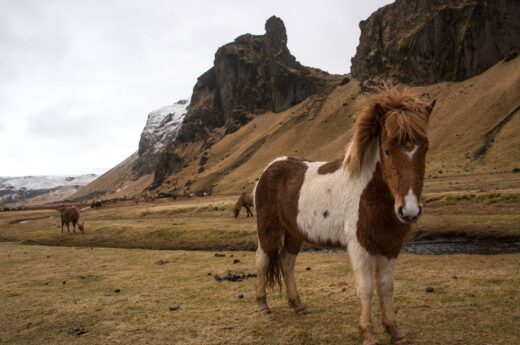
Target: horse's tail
274, 269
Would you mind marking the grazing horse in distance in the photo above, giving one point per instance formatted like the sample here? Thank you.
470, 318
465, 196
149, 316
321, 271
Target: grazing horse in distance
71, 215
96, 204
245, 200
365, 202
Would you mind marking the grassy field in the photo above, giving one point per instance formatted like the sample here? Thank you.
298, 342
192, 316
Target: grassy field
57, 295
208, 223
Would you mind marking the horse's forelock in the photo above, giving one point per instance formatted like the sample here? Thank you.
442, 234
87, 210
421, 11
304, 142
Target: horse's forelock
403, 115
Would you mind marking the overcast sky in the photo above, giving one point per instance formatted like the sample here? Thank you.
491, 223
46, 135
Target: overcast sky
78, 78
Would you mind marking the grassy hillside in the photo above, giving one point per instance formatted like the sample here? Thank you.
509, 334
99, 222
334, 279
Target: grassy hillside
473, 129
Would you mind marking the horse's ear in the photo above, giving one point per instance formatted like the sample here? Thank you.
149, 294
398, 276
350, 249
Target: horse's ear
429, 107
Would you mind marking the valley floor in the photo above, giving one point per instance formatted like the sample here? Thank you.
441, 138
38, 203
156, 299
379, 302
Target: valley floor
58, 295
208, 223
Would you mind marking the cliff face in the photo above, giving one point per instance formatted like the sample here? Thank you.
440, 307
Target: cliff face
253, 74
423, 42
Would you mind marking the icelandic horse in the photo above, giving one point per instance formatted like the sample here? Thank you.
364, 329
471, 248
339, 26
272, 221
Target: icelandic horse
365, 202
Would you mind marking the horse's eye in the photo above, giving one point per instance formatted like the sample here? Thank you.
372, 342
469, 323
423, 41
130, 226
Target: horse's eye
387, 153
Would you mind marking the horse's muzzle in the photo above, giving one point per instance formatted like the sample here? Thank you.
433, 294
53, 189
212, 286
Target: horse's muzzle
409, 215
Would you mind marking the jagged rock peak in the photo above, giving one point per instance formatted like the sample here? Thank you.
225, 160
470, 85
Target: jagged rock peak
251, 75
423, 42
275, 31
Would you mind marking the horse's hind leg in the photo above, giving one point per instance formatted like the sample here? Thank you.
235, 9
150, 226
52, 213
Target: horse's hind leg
288, 259
270, 236
385, 289
262, 264
249, 213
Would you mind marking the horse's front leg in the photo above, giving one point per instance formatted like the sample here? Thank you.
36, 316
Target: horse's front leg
385, 290
363, 265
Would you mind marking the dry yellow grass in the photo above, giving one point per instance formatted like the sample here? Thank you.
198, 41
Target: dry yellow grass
50, 294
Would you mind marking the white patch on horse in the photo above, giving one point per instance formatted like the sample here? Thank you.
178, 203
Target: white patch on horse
412, 152
411, 204
328, 205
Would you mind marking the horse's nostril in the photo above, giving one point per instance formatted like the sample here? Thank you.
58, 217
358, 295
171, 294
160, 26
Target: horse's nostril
401, 213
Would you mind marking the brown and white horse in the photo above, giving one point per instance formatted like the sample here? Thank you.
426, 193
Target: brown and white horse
365, 202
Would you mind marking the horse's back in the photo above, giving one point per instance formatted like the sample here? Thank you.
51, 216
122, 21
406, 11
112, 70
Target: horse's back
71, 215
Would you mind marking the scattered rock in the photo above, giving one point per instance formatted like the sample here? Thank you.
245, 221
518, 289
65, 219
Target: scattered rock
308, 268
162, 262
429, 289
64, 282
175, 307
234, 277
241, 296
516, 170
219, 255
236, 261
454, 277
76, 331
209, 273
117, 290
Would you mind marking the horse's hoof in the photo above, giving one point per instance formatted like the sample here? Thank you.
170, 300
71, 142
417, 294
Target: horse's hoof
302, 311
265, 311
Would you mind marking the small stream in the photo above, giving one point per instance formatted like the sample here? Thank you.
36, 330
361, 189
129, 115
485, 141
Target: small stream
443, 245
462, 245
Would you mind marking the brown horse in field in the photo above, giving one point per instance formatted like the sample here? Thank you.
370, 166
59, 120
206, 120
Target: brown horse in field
364, 202
245, 200
71, 215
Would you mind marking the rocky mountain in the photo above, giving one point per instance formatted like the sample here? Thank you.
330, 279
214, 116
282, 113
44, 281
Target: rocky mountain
424, 42
252, 75
24, 189
162, 126
257, 102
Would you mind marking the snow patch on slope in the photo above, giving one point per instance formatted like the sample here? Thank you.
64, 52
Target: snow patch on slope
44, 182
162, 126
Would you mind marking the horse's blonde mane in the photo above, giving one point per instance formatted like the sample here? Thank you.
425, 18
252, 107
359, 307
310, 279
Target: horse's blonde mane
401, 114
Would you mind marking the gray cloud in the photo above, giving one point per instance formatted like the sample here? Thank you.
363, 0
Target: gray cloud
79, 77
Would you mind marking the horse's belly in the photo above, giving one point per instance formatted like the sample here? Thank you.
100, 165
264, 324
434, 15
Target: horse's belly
323, 233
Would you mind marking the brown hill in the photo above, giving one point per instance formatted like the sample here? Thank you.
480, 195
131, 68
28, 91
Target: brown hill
469, 115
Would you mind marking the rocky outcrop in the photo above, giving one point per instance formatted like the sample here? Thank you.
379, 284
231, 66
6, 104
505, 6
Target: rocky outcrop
423, 41
162, 126
253, 74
